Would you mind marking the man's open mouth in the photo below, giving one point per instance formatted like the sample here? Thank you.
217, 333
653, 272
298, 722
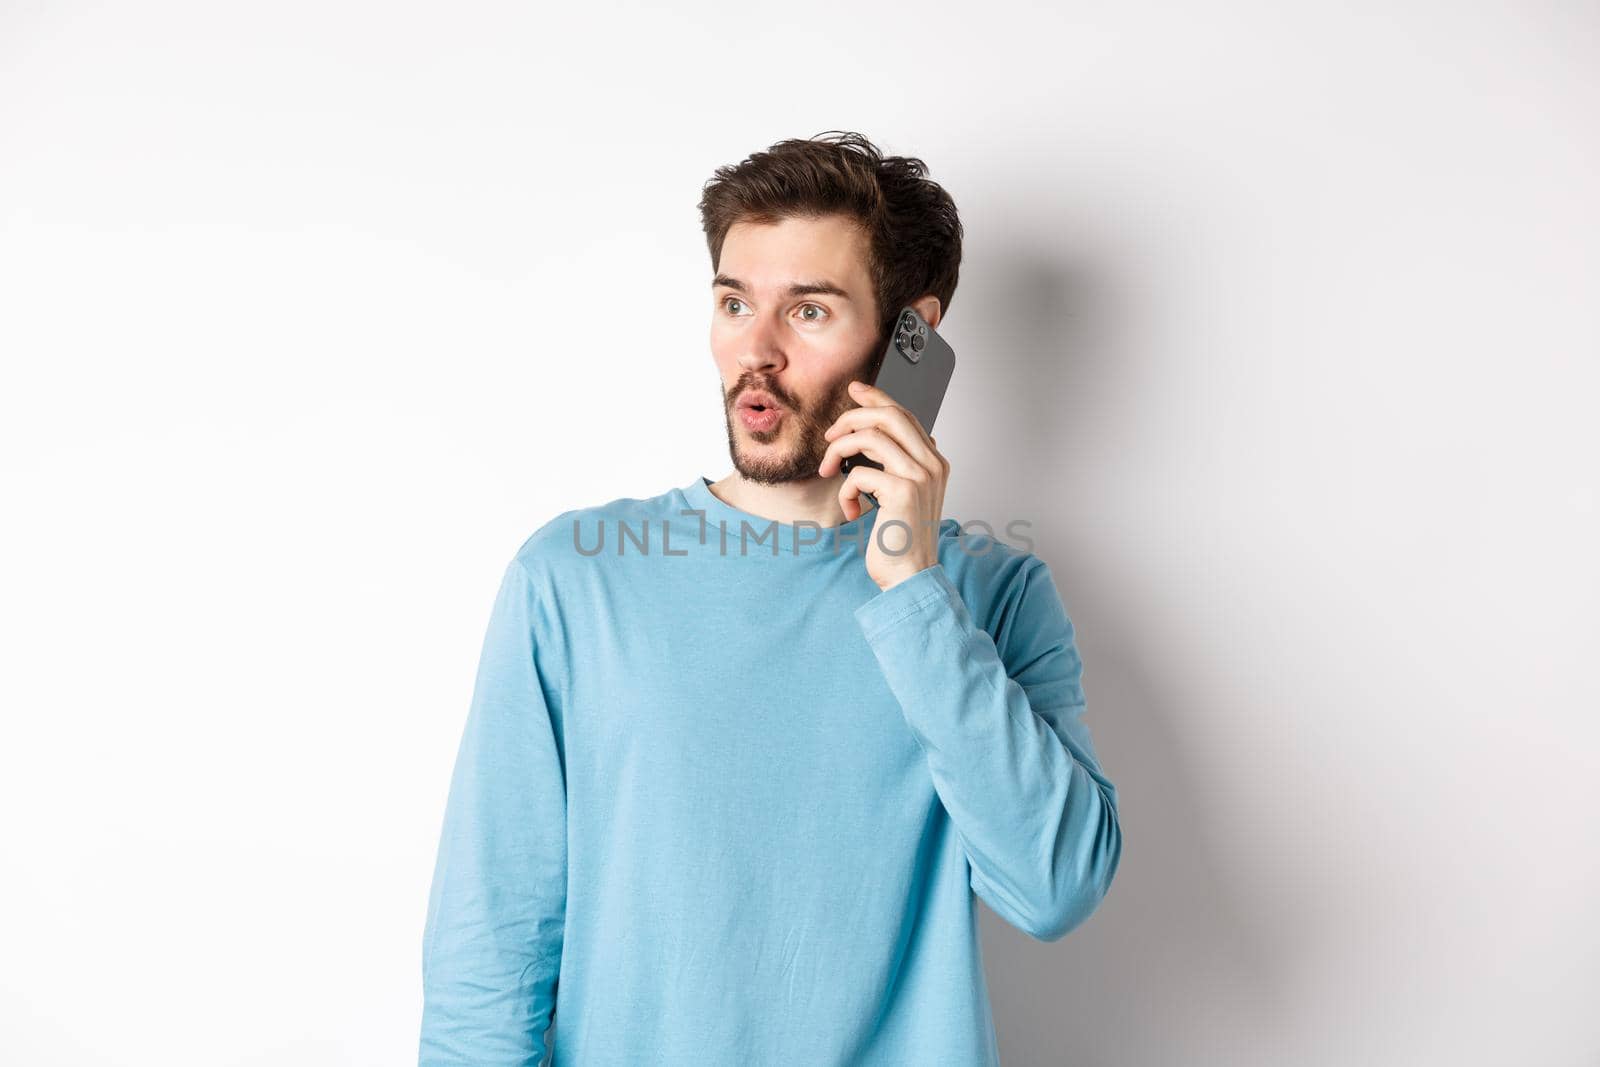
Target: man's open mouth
759, 402
759, 412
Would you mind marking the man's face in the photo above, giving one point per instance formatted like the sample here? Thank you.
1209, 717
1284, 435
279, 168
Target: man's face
794, 320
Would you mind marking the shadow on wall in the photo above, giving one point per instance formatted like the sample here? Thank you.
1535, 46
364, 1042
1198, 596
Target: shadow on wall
1169, 969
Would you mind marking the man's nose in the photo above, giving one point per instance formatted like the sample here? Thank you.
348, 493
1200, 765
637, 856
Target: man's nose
763, 347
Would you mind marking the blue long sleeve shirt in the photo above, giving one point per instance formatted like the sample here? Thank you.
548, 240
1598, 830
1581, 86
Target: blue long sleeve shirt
720, 801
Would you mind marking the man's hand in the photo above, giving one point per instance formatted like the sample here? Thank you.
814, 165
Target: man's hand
910, 488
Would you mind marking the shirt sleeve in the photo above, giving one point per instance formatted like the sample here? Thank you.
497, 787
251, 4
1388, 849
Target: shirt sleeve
497, 905
1010, 756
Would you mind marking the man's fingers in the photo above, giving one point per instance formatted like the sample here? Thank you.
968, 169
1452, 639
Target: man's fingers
874, 444
898, 424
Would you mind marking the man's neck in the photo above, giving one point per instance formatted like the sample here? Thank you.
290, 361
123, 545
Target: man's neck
814, 500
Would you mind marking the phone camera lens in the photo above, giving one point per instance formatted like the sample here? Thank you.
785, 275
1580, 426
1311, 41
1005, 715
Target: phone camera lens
908, 322
902, 339
917, 342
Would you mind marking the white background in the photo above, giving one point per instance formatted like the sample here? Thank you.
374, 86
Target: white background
1279, 322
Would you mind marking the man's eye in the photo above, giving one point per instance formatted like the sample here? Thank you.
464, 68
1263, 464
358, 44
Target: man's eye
731, 300
822, 313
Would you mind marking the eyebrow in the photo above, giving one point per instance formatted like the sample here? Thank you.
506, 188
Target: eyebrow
797, 289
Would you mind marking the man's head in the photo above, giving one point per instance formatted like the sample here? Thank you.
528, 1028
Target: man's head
815, 246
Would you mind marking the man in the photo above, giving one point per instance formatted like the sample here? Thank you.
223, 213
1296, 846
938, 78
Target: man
735, 768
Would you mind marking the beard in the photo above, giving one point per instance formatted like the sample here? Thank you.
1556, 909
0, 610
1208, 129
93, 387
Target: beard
802, 428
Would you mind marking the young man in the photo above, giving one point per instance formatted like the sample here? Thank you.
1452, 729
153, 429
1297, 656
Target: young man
735, 766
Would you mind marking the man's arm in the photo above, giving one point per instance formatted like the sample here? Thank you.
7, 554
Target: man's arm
497, 906
1010, 756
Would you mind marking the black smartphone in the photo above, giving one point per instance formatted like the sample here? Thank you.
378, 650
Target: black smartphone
915, 370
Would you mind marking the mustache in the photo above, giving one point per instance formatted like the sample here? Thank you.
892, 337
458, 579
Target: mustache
755, 385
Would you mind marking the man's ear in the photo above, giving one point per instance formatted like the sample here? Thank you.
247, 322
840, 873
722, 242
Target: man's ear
928, 308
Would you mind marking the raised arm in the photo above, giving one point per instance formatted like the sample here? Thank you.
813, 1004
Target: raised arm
1010, 756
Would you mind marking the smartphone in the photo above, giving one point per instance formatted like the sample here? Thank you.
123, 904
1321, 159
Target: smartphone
915, 370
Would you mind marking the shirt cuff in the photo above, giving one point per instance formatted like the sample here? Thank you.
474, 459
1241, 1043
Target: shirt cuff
927, 592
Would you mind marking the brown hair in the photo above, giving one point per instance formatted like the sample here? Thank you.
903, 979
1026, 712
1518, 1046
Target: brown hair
914, 233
